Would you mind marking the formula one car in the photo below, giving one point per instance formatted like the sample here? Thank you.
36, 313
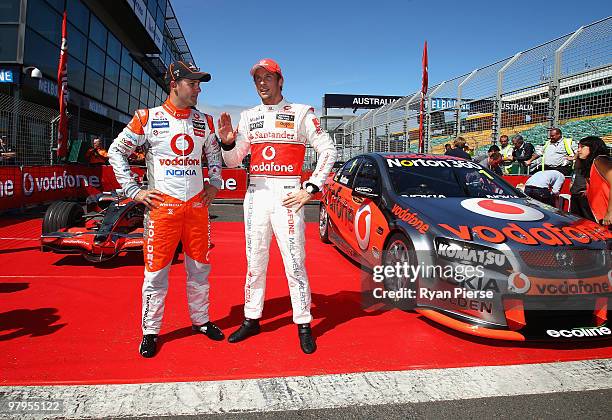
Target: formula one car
461, 246
110, 224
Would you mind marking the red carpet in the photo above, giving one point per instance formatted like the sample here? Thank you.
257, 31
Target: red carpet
64, 321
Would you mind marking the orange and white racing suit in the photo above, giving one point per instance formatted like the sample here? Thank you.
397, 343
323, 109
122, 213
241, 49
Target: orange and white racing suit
276, 137
174, 141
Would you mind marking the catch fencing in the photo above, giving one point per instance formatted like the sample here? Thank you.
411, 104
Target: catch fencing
564, 83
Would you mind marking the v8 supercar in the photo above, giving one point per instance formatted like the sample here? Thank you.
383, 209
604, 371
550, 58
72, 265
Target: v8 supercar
465, 249
112, 224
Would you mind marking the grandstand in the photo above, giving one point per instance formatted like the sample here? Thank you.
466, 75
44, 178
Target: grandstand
566, 82
536, 134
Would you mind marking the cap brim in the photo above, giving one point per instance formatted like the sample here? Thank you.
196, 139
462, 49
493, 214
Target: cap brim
200, 75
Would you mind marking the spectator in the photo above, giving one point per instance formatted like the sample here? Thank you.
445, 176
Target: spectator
599, 189
523, 153
545, 186
506, 152
7, 155
557, 153
447, 147
457, 150
96, 155
492, 160
588, 149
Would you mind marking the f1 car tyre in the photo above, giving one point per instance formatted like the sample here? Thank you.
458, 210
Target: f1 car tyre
323, 225
399, 249
62, 214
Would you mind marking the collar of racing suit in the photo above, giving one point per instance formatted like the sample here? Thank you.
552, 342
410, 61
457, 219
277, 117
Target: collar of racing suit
281, 104
180, 113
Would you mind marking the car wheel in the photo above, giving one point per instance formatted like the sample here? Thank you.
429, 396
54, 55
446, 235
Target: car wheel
323, 224
400, 250
62, 214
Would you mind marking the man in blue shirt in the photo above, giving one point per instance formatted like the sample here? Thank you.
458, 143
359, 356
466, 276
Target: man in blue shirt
545, 186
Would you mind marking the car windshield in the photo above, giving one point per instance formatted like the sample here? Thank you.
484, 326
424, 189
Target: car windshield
445, 178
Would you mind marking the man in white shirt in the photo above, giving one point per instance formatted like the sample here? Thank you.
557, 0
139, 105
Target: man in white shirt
558, 153
545, 186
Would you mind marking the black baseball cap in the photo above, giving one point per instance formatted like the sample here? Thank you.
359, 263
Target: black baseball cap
181, 70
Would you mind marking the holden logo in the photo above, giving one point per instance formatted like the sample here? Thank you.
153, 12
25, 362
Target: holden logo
518, 283
268, 153
500, 209
182, 144
564, 259
363, 221
159, 115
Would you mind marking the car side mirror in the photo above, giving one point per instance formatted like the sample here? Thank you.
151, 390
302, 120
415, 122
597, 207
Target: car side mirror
366, 192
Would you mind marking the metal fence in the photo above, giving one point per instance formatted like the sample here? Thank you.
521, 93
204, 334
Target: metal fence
26, 131
565, 83
29, 131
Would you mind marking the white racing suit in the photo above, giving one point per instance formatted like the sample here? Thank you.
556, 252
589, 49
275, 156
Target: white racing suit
174, 141
276, 137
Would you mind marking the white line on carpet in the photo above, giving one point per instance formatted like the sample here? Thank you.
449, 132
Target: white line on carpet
316, 392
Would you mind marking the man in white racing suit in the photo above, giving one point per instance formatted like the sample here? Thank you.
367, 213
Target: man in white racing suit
275, 133
174, 137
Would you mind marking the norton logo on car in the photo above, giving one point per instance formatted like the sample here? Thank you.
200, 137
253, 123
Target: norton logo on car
182, 144
500, 209
363, 221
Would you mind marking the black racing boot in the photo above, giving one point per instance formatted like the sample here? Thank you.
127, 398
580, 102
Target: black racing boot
307, 342
210, 330
248, 328
148, 346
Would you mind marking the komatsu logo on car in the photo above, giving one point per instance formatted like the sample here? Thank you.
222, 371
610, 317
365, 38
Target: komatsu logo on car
580, 332
180, 172
271, 167
478, 256
179, 161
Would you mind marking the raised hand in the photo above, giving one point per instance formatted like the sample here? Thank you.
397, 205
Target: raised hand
225, 131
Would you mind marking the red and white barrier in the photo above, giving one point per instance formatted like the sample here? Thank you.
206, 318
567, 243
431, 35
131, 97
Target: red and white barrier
30, 185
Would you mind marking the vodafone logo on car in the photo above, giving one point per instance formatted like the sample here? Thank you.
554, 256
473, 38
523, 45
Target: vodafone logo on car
500, 209
363, 221
182, 144
518, 283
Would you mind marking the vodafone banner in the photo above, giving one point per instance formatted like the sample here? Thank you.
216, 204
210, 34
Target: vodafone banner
28, 185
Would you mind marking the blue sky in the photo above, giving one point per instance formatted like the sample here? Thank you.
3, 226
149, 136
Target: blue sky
362, 47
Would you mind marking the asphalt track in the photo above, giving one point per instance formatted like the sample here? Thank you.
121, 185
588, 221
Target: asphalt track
384, 364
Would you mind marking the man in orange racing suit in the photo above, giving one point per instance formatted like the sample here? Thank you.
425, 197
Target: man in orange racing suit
174, 137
